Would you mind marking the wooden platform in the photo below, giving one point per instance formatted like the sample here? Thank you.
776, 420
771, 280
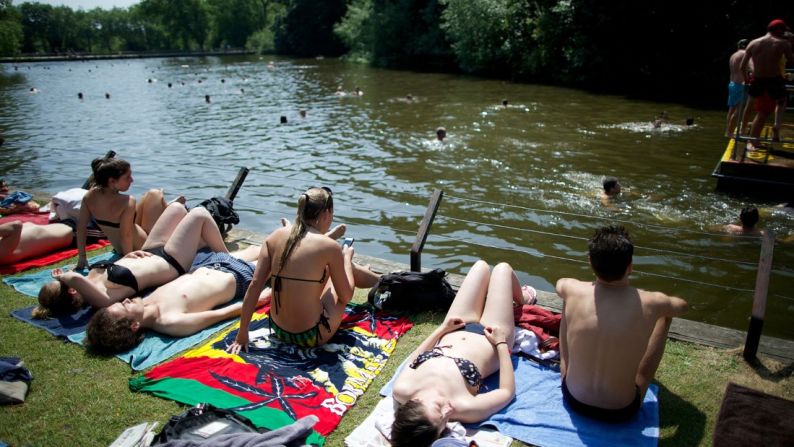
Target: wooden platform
687, 330
767, 171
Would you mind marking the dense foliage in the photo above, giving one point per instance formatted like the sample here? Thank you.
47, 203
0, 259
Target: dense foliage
674, 49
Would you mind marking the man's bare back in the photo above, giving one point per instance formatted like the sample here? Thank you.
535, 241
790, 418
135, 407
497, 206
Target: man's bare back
766, 53
612, 335
606, 334
735, 65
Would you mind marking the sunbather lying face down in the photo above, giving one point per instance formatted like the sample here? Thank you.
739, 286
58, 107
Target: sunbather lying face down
163, 259
181, 307
124, 221
19, 241
301, 258
444, 373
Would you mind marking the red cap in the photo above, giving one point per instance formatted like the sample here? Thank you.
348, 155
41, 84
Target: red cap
777, 23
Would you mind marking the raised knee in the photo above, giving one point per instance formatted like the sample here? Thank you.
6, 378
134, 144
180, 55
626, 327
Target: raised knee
177, 207
503, 267
201, 212
480, 264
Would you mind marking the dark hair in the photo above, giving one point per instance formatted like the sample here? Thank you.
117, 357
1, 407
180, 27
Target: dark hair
742, 44
412, 427
310, 204
107, 168
107, 333
55, 300
749, 216
610, 183
610, 252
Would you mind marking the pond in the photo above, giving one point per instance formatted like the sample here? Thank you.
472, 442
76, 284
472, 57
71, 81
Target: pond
521, 183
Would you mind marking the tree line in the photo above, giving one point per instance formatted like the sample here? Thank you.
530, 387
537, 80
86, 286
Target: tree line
671, 50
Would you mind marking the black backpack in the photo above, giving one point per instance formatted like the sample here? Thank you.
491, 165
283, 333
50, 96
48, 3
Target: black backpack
222, 211
412, 291
202, 422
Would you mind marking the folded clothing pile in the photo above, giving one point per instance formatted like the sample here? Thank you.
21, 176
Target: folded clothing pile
14, 380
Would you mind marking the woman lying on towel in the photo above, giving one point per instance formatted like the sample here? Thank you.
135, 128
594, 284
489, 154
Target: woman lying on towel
181, 307
307, 308
19, 241
168, 253
125, 222
445, 372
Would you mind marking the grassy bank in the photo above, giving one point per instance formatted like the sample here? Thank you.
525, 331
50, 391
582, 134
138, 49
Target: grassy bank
80, 399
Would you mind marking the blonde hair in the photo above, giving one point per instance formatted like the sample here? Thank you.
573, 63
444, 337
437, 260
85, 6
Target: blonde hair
55, 300
310, 205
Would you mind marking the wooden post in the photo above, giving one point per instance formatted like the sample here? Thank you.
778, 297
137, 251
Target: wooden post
87, 183
424, 229
759, 298
238, 182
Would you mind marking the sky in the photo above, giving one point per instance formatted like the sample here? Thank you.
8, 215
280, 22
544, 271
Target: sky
86, 4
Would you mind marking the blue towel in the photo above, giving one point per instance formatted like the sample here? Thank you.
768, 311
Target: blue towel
152, 350
31, 283
61, 326
539, 417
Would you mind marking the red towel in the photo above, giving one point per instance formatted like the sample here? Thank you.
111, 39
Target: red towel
36, 218
48, 259
545, 324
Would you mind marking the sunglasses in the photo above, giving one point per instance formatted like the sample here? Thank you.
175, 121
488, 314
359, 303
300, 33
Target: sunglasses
325, 188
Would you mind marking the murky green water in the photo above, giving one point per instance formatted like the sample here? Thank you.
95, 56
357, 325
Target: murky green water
520, 183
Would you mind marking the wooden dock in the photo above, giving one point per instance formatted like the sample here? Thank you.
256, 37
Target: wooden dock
681, 329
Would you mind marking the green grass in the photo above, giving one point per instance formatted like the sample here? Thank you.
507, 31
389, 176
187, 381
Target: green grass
80, 399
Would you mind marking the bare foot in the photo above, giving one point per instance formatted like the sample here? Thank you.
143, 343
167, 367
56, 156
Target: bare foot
528, 295
284, 222
337, 232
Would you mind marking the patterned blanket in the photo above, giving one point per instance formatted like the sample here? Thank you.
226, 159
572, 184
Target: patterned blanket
274, 384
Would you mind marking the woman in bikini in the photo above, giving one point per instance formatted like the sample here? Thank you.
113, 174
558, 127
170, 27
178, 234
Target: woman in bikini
20, 241
125, 222
444, 373
181, 307
307, 308
168, 253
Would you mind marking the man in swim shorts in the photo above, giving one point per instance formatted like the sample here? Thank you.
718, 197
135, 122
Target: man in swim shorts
736, 90
767, 53
612, 335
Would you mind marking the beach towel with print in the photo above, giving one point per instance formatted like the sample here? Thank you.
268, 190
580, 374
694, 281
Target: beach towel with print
274, 383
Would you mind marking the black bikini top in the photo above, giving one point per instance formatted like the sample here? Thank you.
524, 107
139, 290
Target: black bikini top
118, 274
108, 223
467, 369
277, 285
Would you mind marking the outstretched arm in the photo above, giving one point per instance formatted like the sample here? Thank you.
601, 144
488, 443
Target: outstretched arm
261, 275
186, 324
127, 227
82, 225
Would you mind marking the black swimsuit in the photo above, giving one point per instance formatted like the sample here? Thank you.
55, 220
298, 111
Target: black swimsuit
122, 276
467, 369
107, 223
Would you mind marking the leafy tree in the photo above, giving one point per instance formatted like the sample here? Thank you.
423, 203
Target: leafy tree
10, 29
306, 29
184, 22
234, 20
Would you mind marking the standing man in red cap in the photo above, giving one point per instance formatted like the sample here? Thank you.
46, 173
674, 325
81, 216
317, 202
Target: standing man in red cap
767, 85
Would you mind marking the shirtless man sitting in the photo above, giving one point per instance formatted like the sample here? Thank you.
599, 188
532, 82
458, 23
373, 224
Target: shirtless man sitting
612, 335
767, 53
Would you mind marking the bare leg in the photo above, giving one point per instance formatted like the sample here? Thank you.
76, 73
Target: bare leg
10, 234
779, 109
195, 231
337, 231
758, 124
249, 254
363, 277
653, 355
503, 290
731, 124
149, 209
334, 310
165, 226
470, 300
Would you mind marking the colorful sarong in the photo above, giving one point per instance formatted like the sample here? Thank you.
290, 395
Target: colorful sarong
274, 384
